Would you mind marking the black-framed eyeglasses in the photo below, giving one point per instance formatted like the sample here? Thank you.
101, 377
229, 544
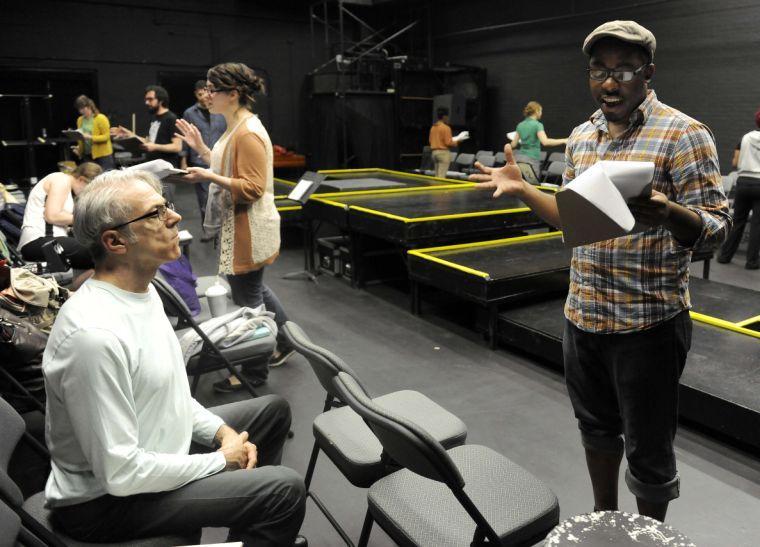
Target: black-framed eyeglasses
619, 75
159, 212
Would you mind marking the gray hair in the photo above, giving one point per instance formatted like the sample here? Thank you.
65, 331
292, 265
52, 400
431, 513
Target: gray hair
102, 204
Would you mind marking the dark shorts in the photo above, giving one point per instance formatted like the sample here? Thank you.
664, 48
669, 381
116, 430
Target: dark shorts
624, 391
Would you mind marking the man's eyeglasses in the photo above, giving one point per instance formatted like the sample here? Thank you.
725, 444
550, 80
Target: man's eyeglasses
621, 76
159, 212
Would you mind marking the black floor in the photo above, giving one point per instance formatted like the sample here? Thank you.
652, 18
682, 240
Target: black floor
508, 401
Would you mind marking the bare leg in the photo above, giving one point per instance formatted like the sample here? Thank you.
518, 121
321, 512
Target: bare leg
604, 471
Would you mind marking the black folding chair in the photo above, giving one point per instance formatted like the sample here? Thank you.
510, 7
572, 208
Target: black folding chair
341, 434
36, 526
489, 500
211, 357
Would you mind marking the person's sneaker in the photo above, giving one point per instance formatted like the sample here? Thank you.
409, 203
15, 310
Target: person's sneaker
226, 386
300, 542
752, 266
279, 358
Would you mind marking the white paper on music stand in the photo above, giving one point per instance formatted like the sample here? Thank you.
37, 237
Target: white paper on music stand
511, 135
160, 168
297, 193
593, 207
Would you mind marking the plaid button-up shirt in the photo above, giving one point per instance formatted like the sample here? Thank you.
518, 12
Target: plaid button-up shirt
637, 281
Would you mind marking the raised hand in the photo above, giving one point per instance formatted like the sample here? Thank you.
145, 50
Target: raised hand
504, 180
191, 135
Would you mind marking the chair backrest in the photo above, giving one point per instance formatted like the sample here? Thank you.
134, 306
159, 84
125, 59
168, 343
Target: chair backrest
325, 364
12, 425
465, 160
542, 156
10, 525
556, 168
481, 153
452, 156
499, 159
557, 156
174, 306
487, 160
406, 443
527, 172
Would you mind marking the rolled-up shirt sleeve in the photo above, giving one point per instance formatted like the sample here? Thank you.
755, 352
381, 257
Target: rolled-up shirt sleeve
249, 181
205, 424
699, 187
96, 389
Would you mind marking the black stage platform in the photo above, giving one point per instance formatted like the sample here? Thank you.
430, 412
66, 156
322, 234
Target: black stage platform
523, 283
352, 180
720, 386
419, 216
290, 211
493, 273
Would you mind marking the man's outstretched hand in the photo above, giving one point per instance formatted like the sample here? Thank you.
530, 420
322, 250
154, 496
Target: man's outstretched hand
504, 180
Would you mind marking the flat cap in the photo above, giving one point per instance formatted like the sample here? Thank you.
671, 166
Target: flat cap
626, 31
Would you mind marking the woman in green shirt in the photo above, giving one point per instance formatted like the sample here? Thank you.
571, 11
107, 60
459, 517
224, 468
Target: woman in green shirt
530, 135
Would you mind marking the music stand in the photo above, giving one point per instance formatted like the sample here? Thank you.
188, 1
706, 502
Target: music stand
307, 184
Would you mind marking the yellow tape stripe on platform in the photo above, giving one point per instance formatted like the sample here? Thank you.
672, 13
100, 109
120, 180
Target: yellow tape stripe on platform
290, 208
746, 322
407, 220
283, 181
453, 265
462, 186
387, 171
492, 242
328, 202
723, 324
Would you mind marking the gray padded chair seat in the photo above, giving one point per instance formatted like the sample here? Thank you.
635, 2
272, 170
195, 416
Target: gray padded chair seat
427, 513
354, 449
35, 506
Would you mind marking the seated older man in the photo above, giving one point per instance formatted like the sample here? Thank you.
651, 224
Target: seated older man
132, 452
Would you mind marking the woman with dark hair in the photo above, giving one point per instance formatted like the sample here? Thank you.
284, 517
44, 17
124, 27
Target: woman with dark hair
50, 212
241, 197
96, 129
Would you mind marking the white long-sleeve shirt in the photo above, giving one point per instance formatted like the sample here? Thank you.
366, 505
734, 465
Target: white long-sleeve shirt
120, 417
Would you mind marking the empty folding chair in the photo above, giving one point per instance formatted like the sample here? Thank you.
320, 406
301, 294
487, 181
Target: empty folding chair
481, 153
37, 528
556, 156
341, 434
554, 172
542, 156
485, 160
468, 495
463, 162
211, 357
527, 172
499, 159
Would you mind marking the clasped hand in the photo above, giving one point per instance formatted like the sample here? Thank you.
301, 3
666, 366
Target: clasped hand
238, 452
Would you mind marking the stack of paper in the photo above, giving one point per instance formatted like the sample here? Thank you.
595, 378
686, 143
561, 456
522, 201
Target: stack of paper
160, 168
593, 207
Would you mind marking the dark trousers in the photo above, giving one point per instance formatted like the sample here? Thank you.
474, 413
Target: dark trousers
263, 507
747, 199
106, 162
627, 384
77, 255
201, 193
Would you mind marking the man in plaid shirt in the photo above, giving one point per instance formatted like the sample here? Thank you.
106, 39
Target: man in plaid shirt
628, 328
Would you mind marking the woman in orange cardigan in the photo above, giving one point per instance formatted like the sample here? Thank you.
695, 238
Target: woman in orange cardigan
97, 134
241, 197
